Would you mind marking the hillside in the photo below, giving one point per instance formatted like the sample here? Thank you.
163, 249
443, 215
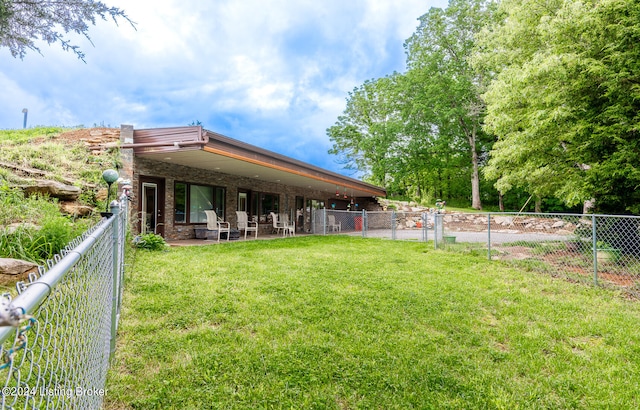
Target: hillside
51, 186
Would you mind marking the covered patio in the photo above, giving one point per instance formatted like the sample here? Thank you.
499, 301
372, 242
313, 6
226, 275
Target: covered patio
178, 173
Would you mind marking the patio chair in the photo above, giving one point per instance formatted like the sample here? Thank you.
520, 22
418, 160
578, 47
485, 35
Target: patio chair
277, 224
214, 223
245, 224
289, 228
333, 225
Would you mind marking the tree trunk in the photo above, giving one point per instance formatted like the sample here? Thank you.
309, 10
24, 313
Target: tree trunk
501, 201
475, 177
538, 205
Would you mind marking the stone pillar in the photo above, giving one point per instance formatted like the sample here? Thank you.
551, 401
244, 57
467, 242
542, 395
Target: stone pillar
127, 174
126, 154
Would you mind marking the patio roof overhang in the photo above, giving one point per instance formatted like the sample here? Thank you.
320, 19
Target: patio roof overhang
198, 148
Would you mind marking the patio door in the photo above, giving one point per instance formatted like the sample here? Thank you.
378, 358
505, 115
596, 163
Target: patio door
299, 213
152, 205
245, 202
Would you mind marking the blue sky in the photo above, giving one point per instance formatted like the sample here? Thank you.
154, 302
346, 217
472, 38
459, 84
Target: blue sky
273, 73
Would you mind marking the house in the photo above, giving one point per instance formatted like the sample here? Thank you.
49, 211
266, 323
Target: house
178, 173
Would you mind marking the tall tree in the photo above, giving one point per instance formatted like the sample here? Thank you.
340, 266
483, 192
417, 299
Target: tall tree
565, 100
441, 48
440, 159
426, 123
368, 129
23, 22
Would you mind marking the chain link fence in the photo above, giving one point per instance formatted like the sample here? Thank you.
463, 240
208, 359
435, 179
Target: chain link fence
58, 333
599, 249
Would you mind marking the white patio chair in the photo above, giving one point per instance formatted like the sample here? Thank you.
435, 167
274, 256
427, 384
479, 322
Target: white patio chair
333, 225
277, 224
289, 228
245, 224
214, 223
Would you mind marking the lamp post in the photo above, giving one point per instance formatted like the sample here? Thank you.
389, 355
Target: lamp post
110, 176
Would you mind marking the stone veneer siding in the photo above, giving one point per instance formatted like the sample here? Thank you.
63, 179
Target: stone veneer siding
172, 173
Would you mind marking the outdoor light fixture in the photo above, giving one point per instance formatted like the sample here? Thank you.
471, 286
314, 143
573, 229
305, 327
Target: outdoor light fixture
25, 111
110, 176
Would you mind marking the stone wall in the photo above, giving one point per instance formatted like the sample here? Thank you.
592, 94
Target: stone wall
513, 224
460, 221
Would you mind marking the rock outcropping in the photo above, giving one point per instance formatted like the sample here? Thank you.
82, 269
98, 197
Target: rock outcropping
53, 189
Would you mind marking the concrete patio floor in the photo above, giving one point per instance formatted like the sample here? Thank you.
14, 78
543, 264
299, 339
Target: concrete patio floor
250, 237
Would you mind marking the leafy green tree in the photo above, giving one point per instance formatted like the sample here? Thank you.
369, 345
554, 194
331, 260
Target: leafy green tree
433, 162
4, 15
23, 22
565, 100
421, 131
440, 50
366, 132
375, 135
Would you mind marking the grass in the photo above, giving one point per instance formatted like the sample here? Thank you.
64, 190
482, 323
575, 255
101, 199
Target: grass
344, 323
39, 231
27, 135
33, 154
36, 148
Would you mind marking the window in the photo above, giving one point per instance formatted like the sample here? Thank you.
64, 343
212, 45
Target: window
192, 200
180, 194
200, 199
264, 203
243, 201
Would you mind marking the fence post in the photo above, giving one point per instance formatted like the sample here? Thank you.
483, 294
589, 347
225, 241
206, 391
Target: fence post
122, 234
365, 223
424, 227
393, 225
438, 228
324, 221
594, 248
115, 242
489, 235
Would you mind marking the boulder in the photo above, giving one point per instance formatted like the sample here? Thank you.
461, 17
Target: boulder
9, 266
54, 189
504, 220
101, 195
75, 209
12, 228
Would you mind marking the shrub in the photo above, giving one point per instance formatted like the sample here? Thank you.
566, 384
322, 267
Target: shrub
42, 231
58, 232
38, 243
24, 243
150, 241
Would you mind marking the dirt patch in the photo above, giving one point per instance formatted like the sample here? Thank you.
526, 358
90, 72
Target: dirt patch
95, 139
510, 253
90, 135
607, 271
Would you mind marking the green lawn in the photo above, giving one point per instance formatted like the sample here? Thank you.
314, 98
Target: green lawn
345, 323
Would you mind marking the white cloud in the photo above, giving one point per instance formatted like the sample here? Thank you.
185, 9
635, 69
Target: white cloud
277, 71
40, 111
